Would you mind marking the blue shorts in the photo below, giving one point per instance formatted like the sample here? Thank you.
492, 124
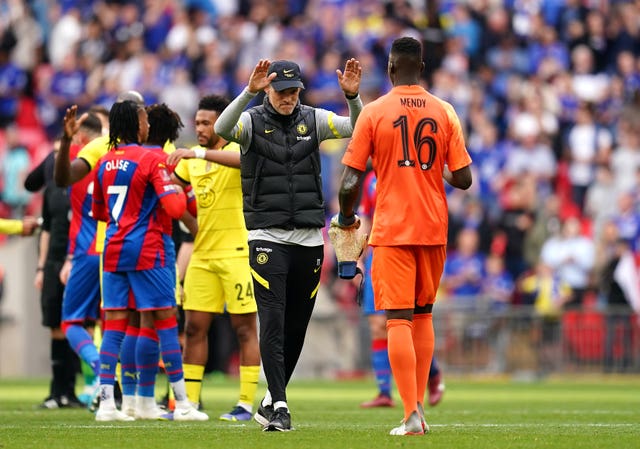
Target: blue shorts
81, 299
151, 289
368, 307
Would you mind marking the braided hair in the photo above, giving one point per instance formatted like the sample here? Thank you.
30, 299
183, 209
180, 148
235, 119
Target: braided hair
164, 124
123, 123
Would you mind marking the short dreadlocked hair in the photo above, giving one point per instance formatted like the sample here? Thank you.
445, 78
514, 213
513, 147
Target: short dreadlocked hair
123, 123
164, 124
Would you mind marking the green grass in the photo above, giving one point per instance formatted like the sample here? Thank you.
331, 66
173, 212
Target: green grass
584, 413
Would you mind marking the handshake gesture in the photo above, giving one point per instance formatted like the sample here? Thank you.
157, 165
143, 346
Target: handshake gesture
348, 244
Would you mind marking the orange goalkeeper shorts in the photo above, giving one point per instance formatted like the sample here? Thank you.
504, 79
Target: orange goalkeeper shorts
406, 276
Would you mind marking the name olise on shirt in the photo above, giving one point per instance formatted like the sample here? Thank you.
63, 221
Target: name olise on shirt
117, 164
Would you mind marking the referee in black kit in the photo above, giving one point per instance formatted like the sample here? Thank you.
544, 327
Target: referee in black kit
284, 210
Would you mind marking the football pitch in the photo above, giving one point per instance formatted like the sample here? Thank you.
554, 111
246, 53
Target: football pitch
558, 413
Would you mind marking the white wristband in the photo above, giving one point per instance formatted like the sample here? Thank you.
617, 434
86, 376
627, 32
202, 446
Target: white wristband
200, 153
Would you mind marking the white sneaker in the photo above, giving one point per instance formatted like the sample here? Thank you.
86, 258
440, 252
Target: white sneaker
412, 426
189, 414
425, 426
112, 415
154, 414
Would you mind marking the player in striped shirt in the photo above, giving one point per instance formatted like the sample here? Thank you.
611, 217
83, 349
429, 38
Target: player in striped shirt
131, 185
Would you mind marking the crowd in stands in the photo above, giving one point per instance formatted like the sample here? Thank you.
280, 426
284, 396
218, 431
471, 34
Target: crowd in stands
548, 92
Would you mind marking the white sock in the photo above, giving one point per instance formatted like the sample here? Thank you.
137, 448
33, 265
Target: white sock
267, 399
106, 397
128, 401
179, 390
184, 404
280, 404
244, 405
146, 402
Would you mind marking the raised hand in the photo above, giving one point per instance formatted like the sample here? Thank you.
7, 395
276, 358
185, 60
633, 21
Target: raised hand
69, 123
350, 80
259, 78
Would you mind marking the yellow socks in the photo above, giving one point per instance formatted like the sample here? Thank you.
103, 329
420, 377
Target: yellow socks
193, 375
248, 385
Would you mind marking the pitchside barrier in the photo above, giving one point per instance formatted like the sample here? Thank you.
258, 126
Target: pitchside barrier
474, 336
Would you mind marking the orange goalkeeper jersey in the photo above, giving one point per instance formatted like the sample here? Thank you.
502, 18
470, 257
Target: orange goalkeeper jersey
410, 135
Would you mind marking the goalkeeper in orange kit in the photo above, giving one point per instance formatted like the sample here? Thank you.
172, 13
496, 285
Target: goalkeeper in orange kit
414, 140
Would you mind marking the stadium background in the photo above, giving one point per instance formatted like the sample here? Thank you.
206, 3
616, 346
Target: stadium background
522, 75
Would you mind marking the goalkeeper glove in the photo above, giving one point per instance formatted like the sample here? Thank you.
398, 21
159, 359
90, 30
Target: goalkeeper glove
348, 244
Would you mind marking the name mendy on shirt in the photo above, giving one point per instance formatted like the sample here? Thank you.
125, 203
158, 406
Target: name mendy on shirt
117, 164
413, 102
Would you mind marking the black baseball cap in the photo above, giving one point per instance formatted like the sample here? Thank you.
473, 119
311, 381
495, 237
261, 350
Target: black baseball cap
287, 75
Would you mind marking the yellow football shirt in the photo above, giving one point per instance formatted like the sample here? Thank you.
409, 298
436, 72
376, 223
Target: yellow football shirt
221, 228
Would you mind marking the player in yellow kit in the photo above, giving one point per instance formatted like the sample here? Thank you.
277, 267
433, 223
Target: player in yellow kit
218, 274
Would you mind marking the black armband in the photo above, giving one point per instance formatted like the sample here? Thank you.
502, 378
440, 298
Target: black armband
351, 97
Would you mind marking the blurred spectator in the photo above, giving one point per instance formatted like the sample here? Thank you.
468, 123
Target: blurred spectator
588, 144
322, 89
571, 255
471, 215
628, 70
600, 202
627, 219
597, 40
13, 80
498, 286
464, 270
157, 21
68, 87
589, 86
546, 46
467, 29
530, 155
65, 34
625, 158
547, 223
183, 98
14, 168
518, 205
548, 293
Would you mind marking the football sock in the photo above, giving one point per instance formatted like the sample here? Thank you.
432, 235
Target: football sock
402, 357
58, 368
82, 343
267, 400
147, 356
109, 351
381, 366
167, 330
72, 367
193, 375
129, 378
423, 342
248, 386
280, 404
